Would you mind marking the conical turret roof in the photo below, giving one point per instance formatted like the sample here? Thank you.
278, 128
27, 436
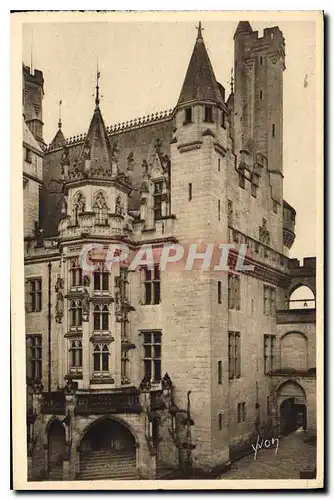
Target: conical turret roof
58, 139
243, 27
200, 82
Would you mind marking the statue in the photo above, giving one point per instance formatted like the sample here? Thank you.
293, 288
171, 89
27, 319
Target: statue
119, 209
145, 167
59, 283
130, 162
85, 303
59, 307
86, 150
114, 151
85, 280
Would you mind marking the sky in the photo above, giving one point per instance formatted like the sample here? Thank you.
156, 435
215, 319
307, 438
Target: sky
142, 67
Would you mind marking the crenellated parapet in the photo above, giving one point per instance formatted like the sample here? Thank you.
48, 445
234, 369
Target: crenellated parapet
116, 128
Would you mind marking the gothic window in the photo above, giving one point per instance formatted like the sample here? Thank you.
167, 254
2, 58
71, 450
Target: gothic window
261, 94
101, 278
76, 273
241, 412
75, 354
269, 353
100, 207
234, 355
34, 357
273, 131
152, 356
101, 317
233, 291
79, 204
157, 200
101, 358
151, 282
76, 313
187, 115
208, 114
34, 295
269, 300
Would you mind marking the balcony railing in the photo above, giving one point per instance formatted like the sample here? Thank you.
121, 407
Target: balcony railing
118, 402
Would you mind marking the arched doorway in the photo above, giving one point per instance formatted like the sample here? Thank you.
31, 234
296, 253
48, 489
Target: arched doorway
292, 404
56, 450
108, 451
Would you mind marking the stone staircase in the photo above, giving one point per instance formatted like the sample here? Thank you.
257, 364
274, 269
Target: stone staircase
108, 464
56, 471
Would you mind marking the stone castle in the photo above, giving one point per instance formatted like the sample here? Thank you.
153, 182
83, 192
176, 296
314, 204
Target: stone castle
150, 372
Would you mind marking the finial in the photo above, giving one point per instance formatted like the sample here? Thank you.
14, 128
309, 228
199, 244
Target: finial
199, 29
59, 121
97, 97
232, 81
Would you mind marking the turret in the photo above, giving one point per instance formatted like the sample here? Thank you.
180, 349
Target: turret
95, 191
258, 101
33, 93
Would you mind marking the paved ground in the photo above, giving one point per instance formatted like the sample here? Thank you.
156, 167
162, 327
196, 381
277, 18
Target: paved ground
292, 456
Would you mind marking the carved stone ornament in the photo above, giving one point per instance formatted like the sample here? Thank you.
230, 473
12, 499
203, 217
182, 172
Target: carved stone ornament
59, 307
130, 162
85, 305
119, 208
85, 280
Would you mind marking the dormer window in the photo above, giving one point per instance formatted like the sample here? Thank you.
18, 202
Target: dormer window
208, 114
187, 115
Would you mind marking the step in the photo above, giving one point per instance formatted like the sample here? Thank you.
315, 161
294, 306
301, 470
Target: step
131, 474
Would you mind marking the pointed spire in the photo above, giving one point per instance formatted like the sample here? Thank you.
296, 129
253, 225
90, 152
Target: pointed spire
199, 29
97, 146
59, 121
97, 95
200, 82
59, 138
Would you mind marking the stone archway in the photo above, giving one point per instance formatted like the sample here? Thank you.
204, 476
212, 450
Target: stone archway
291, 400
107, 451
56, 449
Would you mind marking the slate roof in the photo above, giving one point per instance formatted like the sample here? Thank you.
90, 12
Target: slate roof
200, 82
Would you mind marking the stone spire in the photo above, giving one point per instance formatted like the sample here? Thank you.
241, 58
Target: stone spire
59, 138
95, 158
200, 83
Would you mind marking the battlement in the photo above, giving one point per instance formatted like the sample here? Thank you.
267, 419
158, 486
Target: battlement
272, 39
117, 128
309, 264
35, 77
